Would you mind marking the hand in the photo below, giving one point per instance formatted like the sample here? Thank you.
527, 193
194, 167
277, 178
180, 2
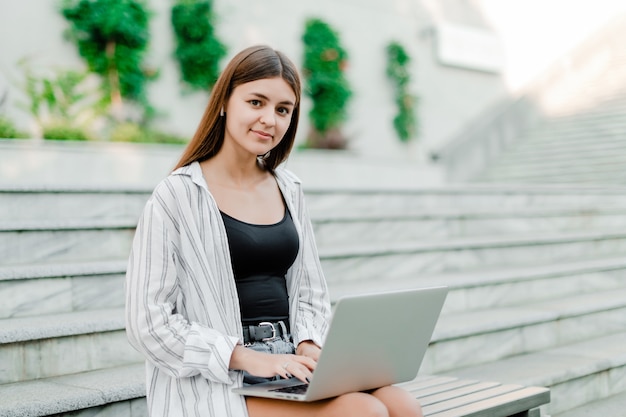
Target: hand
268, 365
309, 349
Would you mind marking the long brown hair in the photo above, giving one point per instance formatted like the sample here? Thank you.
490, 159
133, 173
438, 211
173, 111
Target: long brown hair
251, 64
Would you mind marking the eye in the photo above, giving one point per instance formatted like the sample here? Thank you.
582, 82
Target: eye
283, 111
255, 102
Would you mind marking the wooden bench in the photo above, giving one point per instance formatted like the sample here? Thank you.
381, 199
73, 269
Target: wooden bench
454, 397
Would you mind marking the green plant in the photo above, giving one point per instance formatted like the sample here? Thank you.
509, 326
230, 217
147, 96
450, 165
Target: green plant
59, 102
8, 130
404, 122
112, 36
64, 131
198, 50
133, 132
323, 70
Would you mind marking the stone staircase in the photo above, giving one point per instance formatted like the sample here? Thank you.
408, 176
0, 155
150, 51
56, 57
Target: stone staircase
537, 279
581, 138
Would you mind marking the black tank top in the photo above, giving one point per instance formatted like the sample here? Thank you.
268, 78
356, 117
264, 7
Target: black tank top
261, 256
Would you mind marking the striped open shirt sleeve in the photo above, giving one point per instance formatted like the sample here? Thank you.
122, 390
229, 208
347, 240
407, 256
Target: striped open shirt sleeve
169, 340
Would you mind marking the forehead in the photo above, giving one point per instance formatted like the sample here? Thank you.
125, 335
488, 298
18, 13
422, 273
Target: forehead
275, 89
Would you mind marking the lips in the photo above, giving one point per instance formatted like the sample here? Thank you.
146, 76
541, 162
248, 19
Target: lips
262, 134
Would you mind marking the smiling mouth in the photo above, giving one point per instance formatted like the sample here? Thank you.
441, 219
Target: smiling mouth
263, 134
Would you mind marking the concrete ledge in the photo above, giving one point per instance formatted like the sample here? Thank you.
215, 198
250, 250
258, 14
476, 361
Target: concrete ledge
479, 242
613, 406
58, 325
56, 270
143, 165
576, 373
67, 225
69, 393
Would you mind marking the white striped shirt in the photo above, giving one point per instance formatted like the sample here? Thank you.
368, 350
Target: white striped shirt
182, 310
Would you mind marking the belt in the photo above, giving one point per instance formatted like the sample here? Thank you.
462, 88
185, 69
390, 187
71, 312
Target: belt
264, 331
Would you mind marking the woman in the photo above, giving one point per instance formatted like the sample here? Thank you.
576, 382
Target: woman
224, 252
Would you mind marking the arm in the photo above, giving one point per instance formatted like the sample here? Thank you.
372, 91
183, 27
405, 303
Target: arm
154, 326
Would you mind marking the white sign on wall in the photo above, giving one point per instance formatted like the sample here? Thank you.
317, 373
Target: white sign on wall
469, 47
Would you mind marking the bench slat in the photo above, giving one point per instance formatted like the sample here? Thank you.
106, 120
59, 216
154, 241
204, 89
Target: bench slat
460, 394
442, 388
501, 401
489, 391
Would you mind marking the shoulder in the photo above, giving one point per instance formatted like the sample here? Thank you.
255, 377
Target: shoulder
181, 185
287, 177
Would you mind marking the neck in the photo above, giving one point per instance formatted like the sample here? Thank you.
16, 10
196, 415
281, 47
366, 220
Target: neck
227, 169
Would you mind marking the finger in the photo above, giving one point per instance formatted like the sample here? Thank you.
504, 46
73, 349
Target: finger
298, 370
285, 371
306, 361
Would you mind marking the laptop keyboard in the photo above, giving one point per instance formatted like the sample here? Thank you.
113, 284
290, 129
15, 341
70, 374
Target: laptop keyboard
294, 389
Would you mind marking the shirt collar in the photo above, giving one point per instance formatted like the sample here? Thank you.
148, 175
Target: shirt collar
194, 171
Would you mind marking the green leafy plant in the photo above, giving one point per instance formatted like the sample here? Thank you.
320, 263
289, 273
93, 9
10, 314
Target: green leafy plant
323, 70
8, 129
60, 102
64, 131
404, 122
198, 50
112, 36
133, 132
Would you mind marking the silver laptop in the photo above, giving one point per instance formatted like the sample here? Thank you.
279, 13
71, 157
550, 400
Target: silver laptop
374, 340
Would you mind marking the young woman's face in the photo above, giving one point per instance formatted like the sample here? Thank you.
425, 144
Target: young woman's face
258, 114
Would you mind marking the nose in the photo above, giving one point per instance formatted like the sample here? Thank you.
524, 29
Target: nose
268, 118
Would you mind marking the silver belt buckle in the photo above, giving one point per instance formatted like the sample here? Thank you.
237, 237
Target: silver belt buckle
267, 323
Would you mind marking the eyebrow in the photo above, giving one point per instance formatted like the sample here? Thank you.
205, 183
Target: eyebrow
264, 97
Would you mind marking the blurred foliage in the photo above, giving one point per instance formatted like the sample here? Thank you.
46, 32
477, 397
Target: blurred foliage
198, 50
112, 36
133, 132
323, 70
64, 131
9, 131
405, 122
60, 103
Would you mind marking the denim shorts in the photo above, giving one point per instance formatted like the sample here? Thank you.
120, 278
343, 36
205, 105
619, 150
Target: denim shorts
277, 346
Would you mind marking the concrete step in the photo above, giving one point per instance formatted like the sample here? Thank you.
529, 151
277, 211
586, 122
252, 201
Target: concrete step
597, 139
112, 392
60, 344
612, 406
335, 230
461, 197
578, 131
482, 337
61, 241
31, 290
71, 203
41, 289
66, 240
592, 153
405, 260
108, 240
577, 374
67, 204
502, 288
574, 166
608, 116
596, 177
